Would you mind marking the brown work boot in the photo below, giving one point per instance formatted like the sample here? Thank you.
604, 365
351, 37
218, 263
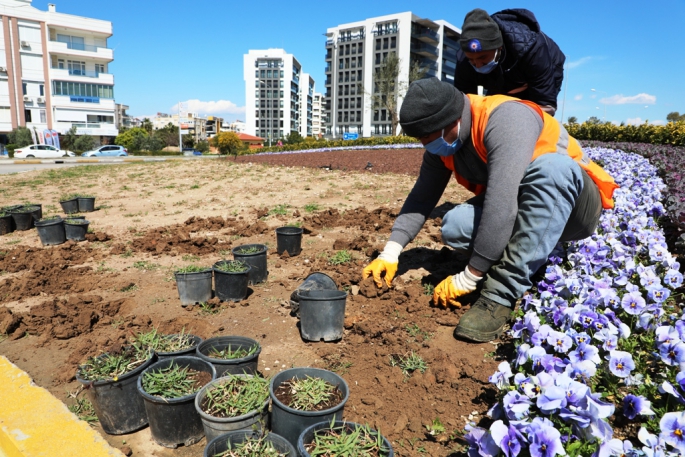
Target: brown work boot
484, 322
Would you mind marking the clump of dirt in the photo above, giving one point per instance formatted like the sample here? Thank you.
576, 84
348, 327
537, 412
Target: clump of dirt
27, 258
377, 220
48, 279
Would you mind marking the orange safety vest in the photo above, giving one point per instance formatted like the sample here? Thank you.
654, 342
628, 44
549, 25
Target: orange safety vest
548, 142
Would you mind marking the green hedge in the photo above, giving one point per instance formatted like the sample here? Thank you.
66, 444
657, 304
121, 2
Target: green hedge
311, 143
672, 133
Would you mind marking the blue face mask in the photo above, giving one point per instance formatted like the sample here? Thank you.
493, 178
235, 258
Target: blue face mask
440, 147
488, 67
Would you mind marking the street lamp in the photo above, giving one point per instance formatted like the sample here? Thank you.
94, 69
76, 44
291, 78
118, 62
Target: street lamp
605, 105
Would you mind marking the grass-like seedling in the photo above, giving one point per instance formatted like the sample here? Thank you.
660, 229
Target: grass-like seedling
236, 396
280, 210
173, 381
159, 342
228, 354
72, 221
309, 392
251, 447
409, 364
84, 410
340, 257
191, 269
27, 209
232, 266
345, 440
111, 366
311, 207
250, 250
67, 197
428, 289
49, 218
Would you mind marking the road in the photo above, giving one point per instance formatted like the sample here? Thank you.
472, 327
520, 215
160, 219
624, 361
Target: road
19, 166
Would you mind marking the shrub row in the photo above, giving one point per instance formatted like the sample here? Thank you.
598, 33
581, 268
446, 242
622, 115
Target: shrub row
672, 133
311, 143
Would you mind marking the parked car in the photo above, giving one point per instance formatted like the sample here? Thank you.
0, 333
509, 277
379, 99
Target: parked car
107, 151
191, 152
41, 151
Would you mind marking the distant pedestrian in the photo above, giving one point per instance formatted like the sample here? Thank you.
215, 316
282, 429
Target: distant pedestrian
507, 53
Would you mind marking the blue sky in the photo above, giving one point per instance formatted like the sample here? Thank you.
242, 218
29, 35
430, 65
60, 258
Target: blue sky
168, 51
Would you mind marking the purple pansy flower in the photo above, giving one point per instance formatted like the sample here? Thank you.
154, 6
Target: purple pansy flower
634, 406
673, 430
621, 363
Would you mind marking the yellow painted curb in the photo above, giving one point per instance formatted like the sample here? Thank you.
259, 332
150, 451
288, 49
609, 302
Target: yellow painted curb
133, 159
34, 423
87, 160
29, 161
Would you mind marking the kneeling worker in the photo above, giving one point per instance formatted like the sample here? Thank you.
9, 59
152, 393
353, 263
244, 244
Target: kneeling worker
533, 184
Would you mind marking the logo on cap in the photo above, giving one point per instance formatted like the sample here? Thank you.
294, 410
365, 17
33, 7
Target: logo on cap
474, 45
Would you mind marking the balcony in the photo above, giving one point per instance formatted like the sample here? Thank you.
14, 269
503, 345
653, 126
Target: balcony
450, 42
424, 49
352, 37
427, 35
428, 64
448, 66
81, 76
81, 50
449, 53
327, 69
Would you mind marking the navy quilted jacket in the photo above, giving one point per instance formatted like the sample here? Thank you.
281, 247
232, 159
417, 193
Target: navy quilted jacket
530, 57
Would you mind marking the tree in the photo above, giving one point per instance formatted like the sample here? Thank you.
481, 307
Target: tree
293, 137
20, 137
68, 140
84, 143
146, 125
202, 146
572, 120
675, 116
388, 90
132, 139
228, 143
188, 140
168, 135
594, 120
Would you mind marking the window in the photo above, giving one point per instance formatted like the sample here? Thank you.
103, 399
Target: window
43, 118
41, 88
23, 88
27, 115
93, 91
60, 64
72, 42
100, 68
393, 42
268, 73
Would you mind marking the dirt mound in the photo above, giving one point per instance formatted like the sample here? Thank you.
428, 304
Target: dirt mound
26, 258
377, 220
48, 279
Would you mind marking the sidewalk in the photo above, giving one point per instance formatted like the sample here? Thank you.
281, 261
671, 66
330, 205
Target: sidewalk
4, 161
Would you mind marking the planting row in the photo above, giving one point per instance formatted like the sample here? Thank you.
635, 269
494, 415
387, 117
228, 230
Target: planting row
185, 388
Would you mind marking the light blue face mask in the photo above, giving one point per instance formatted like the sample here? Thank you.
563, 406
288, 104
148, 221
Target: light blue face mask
488, 67
440, 147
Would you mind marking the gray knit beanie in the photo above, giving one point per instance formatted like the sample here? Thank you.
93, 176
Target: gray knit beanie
430, 105
479, 32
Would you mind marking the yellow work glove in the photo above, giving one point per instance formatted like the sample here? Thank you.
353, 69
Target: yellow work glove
386, 263
453, 287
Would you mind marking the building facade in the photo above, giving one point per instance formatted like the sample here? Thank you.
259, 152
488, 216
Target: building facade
190, 124
54, 71
317, 104
355, 52
306, 105
273, 81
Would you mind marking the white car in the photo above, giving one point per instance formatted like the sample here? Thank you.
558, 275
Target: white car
42, 151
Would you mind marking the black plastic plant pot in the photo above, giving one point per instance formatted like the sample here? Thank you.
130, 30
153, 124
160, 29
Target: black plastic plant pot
23, 217
117, 404
244, 365
6, 223
37, 213
229, 286
322, 314
315, 281
76, 229
69, 206
289, 422
51, 232
194, 287
174, 421
222, 443
216, 426
86, 204
256, 260
307, 436
289, 239
196, 340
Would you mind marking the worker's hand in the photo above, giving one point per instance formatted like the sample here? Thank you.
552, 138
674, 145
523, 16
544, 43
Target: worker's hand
453, 287
386, 264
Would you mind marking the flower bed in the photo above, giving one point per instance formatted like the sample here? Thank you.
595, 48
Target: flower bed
599, 366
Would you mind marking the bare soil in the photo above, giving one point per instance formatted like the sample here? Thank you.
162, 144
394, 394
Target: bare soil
61, 304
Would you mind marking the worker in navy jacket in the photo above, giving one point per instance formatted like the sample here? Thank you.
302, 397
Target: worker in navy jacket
507, 53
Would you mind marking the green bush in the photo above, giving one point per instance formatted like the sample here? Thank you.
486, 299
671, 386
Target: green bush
311, 143
672, 133
10, 149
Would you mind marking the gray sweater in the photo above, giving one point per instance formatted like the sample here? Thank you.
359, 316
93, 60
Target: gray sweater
510, 136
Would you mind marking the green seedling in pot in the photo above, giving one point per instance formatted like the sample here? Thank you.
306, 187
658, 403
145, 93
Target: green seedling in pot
27, 209
252, 447
113, 365
228, 354
250, 250
236, 396
191, 269
308, 393
67, 197
49, 218
158, 342
171, 382
232, 266
74, 221
347, 440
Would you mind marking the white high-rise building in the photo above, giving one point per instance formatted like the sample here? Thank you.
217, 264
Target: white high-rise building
306, 104
354, 51
273, 91
54, 71
317, 103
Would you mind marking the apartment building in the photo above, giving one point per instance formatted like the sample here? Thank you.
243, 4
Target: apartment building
317, 103
190, 123
306, 104
355, 51
54, 71
273, 94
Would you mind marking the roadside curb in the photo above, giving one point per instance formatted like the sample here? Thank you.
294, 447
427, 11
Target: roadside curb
104, 160
33, 422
